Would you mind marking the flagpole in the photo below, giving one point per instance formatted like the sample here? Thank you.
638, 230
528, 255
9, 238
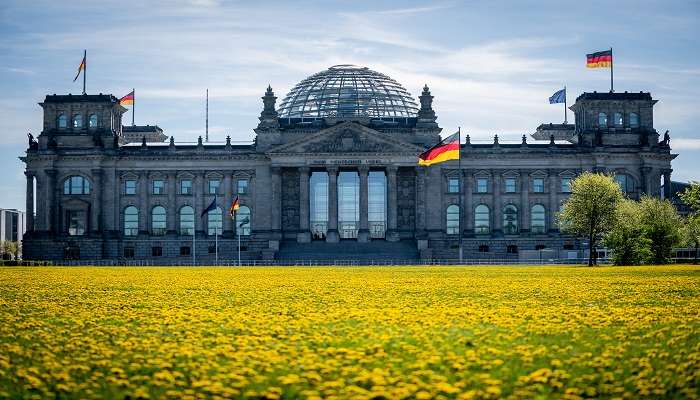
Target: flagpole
564, 104
461, 212
611, 71
133, 106
216, 245
84, 70
238, 231
207, 118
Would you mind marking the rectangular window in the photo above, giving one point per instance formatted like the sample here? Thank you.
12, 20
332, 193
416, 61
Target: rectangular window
129, 252
156, 251
158, 187
242, 186
130, 186
186, 186
566, 185
185, 250
510, 185
214, 186
452, 185
482, 185
538, 185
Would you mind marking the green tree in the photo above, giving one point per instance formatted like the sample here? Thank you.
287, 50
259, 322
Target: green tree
691, 196
662, 225
691, 233
627, 238
590, 210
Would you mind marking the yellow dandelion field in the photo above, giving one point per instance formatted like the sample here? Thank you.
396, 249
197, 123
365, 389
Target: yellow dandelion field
350, 332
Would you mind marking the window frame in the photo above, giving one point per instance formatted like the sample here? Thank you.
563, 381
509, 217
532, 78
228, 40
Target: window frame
245, 187
452, 185
160, 230
452, 219
77, 121
132, 230
190, 187
217, 188
514, 183
603, 117
91, 118
634, 122
485, 181
126, 187
535, 186
161, 190
185, 231
72, 187
565, 188
62, 121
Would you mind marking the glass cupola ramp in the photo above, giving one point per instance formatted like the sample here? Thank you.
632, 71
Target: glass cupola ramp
348, 91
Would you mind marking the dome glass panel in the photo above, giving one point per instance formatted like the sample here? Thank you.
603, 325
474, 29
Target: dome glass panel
348, 91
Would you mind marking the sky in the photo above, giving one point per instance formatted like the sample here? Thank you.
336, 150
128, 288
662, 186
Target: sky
491, 65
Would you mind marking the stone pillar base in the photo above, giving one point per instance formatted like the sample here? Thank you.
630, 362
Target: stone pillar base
392, 236
363, 235
274, 245
332, 236
268, 254
304, 237
422, 244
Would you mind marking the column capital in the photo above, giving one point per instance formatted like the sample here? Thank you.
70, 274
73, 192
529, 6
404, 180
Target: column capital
332, 170
363, 169
96, 171
304, 170
391, 169
51, 172
276, 170
29, 174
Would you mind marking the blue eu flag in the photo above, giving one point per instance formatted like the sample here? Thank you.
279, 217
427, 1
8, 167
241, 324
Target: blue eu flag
558, 97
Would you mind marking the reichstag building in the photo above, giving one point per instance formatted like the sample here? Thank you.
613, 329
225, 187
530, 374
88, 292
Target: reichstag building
331, 174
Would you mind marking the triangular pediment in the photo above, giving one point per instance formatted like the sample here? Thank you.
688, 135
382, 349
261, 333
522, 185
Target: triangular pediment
347, 138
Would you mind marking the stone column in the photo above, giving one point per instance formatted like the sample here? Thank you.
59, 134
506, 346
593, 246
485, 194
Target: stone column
276, 206
553, 206
363, 232
228, 199
171, 211
332, 234
525, 201
667, 183
143, 202
304, 235
29, 201
645, 183
52, 210
468, 180
96, 206
497, 206
199, 193
392, 233
420, 201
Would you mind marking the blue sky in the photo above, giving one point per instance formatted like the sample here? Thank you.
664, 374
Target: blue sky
491, 65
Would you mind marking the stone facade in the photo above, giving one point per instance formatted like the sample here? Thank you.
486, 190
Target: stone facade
100, 198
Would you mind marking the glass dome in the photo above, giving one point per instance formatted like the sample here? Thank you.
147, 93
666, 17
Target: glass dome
348, 91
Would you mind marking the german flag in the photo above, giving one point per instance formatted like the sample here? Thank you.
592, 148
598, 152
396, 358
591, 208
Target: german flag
601, 59
235, 205
81, 67
127, 100
446, 150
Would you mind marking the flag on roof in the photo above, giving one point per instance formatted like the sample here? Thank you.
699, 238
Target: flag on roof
558, 97
448, 149
127, 100
601, 59
81, 67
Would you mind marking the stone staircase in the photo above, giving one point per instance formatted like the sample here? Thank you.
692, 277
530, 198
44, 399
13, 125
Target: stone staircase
350, 252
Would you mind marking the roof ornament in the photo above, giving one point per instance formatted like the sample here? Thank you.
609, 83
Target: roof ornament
524, 142
269, 119
426, 114
228, 142
495, 140
551, 140
172, 143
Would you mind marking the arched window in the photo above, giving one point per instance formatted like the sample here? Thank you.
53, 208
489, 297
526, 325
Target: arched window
626, 182
634, 120
617, 119
131, 221
186, 220
510, 219
537, 219
62, 121
215, 222
602, 120
482, 219
77, 121
243, 221
76, 184
158, 221
92, 121
452, 226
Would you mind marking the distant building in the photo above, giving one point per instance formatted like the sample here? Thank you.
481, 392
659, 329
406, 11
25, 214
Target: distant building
12, 225
676, 189
332, 172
